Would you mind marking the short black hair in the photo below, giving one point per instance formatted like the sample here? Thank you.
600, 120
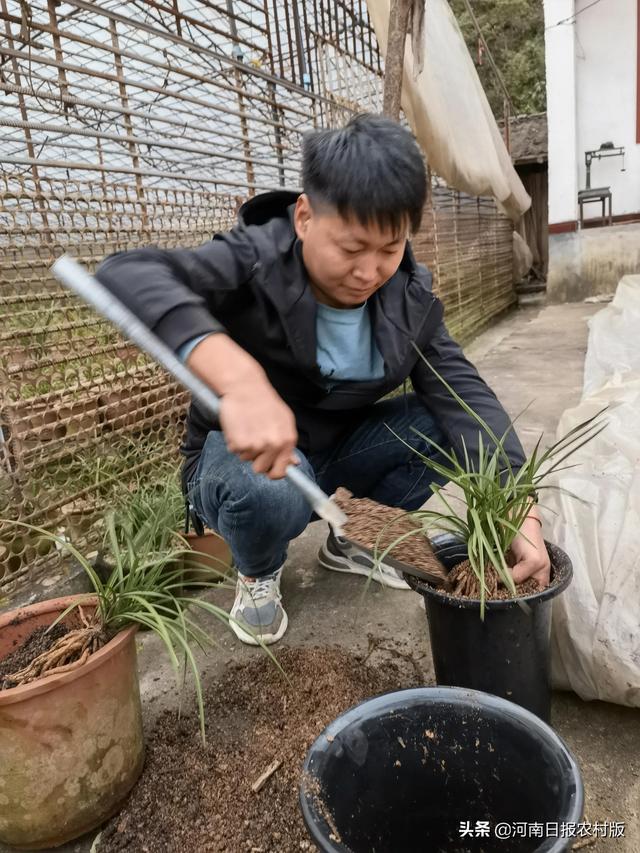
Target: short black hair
371, 169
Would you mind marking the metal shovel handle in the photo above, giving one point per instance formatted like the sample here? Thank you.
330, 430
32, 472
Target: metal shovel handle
77, 278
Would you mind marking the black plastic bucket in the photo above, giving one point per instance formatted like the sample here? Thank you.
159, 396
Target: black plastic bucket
423, 770
509, 653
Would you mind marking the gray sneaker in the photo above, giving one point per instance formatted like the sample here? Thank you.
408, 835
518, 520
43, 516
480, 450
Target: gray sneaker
341, 556
257, 615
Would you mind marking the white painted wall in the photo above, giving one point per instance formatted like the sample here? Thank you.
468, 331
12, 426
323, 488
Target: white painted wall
561, 111
591, 98
606, 57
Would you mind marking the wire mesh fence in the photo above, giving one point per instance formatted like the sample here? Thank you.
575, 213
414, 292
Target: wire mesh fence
137, 123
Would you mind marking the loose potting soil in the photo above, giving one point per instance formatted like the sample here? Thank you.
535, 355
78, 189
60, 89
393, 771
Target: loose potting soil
39, 641
200, 798
466, 584
376, 526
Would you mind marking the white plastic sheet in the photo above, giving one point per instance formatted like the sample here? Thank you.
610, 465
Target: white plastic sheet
522, 257
595, 630
448, 110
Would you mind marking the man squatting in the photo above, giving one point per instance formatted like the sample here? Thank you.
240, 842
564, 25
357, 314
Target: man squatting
303, 318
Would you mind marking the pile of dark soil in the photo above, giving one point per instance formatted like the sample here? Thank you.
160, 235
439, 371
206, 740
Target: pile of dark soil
200, 798
39, 641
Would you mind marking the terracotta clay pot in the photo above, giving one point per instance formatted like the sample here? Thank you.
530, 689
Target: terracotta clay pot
71, 745
213, 560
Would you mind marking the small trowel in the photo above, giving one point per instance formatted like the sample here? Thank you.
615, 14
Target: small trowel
431, 569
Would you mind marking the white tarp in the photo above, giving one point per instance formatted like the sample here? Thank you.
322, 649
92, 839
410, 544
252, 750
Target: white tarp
448, 110
596, 633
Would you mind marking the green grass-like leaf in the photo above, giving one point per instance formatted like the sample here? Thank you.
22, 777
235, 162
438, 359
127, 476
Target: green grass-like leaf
144, 588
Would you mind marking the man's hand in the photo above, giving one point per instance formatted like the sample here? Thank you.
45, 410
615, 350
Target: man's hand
530, 559
257, 424
259, 428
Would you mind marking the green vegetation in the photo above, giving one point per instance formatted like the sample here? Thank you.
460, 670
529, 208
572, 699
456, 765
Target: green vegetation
514, 31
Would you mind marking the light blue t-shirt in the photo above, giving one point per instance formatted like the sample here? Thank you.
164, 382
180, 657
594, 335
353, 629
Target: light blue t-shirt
346, 346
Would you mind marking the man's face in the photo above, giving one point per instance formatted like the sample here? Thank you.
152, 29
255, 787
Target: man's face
346, 261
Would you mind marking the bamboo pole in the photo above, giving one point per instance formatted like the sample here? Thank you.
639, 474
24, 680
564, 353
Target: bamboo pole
394, 60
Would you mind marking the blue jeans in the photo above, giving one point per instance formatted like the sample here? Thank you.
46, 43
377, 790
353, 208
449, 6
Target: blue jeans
258, 517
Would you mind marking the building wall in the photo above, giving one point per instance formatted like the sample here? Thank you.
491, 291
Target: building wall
591, 261
606, 69
561, 111
592, 70
592, 67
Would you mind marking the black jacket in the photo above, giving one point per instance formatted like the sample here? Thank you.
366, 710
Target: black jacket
253, 282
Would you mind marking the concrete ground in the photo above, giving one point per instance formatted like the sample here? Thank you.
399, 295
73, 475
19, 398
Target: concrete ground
535, 355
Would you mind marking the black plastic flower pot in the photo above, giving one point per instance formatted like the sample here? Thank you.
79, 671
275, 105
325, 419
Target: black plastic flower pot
509, 652
437, 769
